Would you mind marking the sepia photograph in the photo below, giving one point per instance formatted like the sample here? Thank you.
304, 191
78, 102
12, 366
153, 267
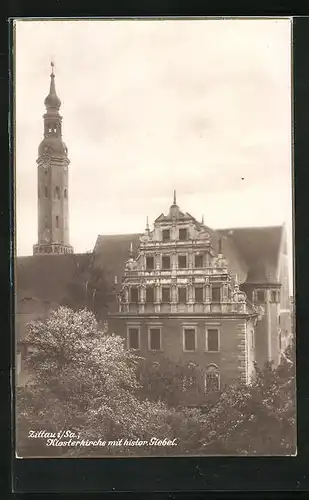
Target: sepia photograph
153, 264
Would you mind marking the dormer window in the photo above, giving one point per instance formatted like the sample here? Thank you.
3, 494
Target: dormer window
183, 234
166, 235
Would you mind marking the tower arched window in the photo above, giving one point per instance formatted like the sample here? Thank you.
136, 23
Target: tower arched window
65, 193
57, 192
45, 192
57, 221
212, 378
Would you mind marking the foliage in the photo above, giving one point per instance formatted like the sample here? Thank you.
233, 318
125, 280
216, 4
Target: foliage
85, 381
177, 384
258, 419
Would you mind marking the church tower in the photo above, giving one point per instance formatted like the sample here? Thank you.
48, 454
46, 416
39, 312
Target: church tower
53, 181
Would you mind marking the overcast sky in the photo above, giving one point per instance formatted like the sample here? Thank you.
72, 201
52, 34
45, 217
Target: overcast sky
149, 106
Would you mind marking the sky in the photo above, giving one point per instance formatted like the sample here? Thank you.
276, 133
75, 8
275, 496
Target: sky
201, 106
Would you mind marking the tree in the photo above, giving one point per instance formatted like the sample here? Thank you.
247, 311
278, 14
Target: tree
175, 383
256, 419
85, 381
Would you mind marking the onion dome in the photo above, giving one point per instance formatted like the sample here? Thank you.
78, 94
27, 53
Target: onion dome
52, 101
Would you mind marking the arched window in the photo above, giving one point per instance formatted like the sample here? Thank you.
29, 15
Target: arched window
65, 193
45, 192
212, 378
57, 192
57, 221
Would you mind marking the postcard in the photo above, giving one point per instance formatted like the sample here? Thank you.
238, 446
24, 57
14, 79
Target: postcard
154, 311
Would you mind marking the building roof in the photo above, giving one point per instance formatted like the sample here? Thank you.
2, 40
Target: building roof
46, 277
259, 248
251, 253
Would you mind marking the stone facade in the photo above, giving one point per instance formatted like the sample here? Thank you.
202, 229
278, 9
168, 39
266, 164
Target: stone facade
179, 299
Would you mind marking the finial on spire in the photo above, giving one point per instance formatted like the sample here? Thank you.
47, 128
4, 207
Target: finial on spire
220, 246
147, 224
52, 101
174, 202
203, 219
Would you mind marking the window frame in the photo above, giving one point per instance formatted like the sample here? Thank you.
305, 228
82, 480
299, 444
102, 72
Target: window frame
162, 259
189, 327
179, 232
256, 293
135, 326
212, 327
186, 295
169, 234
153, 297
212, 368
154, 327
275, 293
137, 291
186, 257
169, 297
216, 287
201, 256
203, 294
153, 261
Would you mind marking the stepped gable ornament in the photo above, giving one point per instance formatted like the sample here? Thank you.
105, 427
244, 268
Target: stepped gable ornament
238, 296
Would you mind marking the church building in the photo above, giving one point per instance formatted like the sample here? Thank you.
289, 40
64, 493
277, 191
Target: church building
180, 290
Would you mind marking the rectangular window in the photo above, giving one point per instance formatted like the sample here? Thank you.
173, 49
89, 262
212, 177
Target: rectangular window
155, 339
183, 234
133, 338
215, 294
166, 294
260, 296
182, 261
149, 294
150, 262
212, 381
166, 262
199, 295
166, 235
212, 340
198, 261
182, 294
57, 221
275, 296
189, 339
134, 294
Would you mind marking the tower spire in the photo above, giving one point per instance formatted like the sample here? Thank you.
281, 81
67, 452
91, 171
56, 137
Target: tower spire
174, 200
53, 181
52, 101
147, 224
